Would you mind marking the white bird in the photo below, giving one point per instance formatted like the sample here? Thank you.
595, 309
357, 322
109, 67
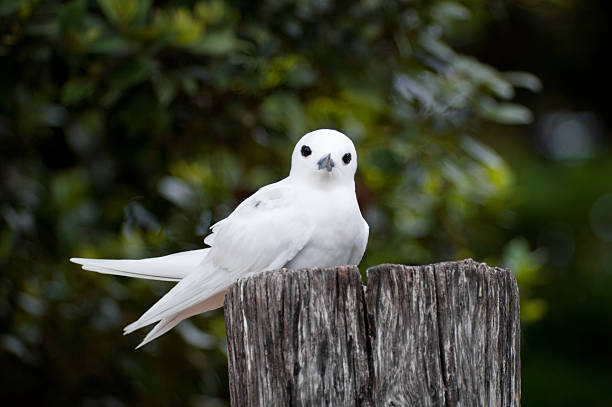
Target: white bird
309, 219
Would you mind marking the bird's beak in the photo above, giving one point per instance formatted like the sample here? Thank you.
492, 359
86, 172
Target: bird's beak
326, 162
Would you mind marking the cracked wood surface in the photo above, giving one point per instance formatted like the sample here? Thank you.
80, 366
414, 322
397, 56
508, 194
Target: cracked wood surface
445, 334
298, 338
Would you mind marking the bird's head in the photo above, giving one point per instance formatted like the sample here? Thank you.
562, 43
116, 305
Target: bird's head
324, 156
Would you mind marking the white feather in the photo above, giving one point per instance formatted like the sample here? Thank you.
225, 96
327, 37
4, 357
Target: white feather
168, 323
167, 268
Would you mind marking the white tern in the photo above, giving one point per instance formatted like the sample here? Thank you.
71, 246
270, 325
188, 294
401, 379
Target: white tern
309, 219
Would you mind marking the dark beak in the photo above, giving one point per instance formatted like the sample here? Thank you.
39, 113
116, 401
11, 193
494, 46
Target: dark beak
326, 162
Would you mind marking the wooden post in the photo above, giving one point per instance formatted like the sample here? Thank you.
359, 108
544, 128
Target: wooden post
298, 338
445, 334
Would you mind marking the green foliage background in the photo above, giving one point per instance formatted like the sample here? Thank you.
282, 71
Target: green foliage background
128, 126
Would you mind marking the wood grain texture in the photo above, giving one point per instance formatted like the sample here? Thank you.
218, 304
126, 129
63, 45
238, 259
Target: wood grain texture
403, 315
445, 334
298, 338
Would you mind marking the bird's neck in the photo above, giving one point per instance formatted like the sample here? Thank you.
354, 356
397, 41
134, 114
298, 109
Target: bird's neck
325, 184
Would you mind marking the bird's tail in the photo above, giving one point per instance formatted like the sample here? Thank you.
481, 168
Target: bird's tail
170, 322
173, 267
200, 291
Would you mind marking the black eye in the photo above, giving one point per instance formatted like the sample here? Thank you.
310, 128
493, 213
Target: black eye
346, 158
306, 151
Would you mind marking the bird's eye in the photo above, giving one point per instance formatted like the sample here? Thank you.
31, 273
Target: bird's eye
306, 151
346, 158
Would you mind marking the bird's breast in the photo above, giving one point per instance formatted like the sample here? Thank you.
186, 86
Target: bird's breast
336, 223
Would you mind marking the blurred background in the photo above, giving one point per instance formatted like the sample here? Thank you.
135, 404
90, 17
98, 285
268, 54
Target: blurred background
128, 126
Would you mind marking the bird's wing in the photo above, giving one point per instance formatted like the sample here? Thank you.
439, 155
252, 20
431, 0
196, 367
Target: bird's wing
361, 241
263, 233
173, 267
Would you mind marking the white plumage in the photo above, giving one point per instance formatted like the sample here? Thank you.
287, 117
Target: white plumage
309, 219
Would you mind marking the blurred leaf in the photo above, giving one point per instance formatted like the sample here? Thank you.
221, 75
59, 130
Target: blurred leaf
195, 337
284, 111
165, 89
124, 12
533, 310
77, 89
485, 75
506, 113
69, 188
481, 152
277, 70
215, 42
176, 191
437, 47
524, 80
128, 74
109, 44
8, 7
51, 115
210, 12
523, 262
189, 84
188, 29
450, 10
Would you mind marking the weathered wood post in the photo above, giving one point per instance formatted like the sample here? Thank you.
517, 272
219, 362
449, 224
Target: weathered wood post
445, 334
